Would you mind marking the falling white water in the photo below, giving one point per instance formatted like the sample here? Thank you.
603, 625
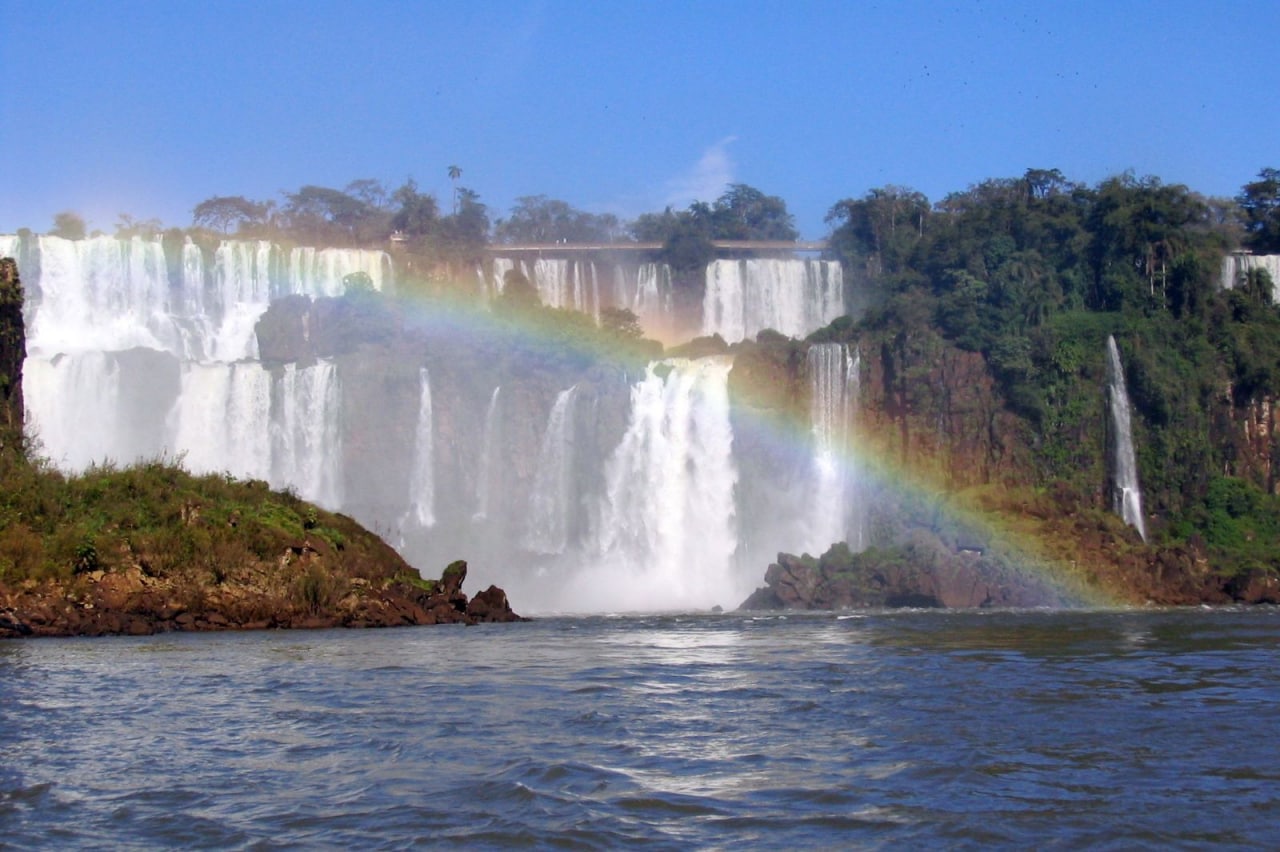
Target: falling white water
667, 526
588, 287
306, 435
794, 297
237, 419
488, 456
323, 272
101, 294
91, 300
551, 499
241, 295
1126, 497
833, 384
501, 266
221, 420
422, 480
74, 408
1236, 266
651, 300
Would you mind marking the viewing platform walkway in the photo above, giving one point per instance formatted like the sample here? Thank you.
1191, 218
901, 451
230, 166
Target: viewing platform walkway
520, 249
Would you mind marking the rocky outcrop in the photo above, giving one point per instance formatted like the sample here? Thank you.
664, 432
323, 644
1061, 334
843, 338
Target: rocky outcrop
920, 574
13, 348
302, 591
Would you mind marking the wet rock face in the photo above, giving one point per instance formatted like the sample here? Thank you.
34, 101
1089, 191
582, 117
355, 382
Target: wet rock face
304, 591
917, 575
13, 347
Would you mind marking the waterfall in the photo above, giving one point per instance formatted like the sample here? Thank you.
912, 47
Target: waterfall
833, 386
241, 293
550, 502
238, 419
101, 294
93, 302
589, 287
422, 488
488, 451
631, 501
794, 297
75, 412
667, 526
108, 294
306, 438
323, 272
221, 419
1126, 497
1236, 266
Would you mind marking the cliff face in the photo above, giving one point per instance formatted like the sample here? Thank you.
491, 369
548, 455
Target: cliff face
153, 549
491, 386
13, 349
935, 418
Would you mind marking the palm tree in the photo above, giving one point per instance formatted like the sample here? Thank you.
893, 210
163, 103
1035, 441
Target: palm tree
454, 174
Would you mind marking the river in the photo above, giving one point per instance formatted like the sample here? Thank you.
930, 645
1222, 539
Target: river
1066, 729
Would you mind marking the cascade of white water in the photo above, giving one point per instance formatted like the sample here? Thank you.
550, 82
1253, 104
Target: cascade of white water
306, 434
422, 480
193, 284
109, 294
551, 499
73, 407
488, 454
285, 431
501, 266
323, 272
832, 377
102, 294
794, 297
557, 281
234, 399
1126, 496
1236, 266
241, 294
858, 510
667, 526
595, 292
652, 297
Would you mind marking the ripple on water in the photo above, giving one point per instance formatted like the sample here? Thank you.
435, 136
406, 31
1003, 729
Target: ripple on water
896, 729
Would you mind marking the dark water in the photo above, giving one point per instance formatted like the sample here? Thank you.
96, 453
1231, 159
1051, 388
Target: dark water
1046, 730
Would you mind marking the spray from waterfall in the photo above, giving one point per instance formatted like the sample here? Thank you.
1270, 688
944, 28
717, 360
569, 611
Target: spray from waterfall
422, 488
551, 499
488, 456
667, 527
1126, 496
834, 514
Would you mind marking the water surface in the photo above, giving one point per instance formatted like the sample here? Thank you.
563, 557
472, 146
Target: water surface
1046, 729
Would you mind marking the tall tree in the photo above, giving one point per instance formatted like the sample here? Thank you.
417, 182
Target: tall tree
69, 225
454, 174
417, 213
228, 214
538, 219
745, 213
1260, 207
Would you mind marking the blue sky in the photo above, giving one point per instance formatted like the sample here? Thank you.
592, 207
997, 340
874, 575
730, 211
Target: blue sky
148, 108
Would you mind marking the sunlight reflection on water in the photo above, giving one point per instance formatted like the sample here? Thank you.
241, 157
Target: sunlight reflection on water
810, 730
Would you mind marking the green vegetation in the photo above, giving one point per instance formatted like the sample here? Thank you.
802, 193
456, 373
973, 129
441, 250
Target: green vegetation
152, 515
1032, 274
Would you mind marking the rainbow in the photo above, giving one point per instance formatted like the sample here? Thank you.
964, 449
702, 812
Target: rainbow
561, 333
